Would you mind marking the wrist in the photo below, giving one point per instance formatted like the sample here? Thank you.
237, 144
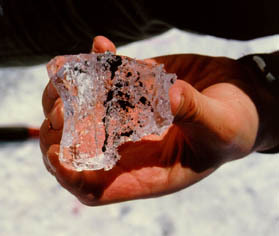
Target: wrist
263, 76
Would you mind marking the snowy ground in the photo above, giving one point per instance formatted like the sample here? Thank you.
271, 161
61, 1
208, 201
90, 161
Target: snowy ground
241, 198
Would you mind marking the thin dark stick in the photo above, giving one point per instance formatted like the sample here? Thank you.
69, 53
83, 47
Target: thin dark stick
18, 133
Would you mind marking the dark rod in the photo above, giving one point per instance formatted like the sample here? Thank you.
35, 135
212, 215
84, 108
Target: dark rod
18, 133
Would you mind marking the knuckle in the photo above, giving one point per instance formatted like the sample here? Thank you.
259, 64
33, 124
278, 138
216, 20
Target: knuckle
190, 112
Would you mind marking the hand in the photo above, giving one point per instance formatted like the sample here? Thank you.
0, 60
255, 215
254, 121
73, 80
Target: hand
216, 121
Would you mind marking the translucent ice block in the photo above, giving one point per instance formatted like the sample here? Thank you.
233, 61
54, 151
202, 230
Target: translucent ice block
108, 100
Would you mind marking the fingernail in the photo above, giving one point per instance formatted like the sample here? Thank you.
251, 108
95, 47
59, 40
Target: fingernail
93, 50
50, 167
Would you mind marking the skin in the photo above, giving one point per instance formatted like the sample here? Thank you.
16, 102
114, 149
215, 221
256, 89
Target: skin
220, 115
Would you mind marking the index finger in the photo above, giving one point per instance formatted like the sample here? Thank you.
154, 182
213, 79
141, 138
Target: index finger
50, 95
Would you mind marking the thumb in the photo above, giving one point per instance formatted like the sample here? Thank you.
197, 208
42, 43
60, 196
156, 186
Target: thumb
187, 104
207, 123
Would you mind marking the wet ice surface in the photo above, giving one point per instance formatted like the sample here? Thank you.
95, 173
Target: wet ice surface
108, 100
240, 198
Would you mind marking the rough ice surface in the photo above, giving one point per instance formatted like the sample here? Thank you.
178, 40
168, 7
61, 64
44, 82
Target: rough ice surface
108, 100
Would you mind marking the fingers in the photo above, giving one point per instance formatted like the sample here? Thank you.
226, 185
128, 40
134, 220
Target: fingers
51, 129
49, 136
102, 44
51, 132
56, 115
49, 97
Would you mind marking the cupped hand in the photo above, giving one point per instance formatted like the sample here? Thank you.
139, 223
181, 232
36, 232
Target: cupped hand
216, 121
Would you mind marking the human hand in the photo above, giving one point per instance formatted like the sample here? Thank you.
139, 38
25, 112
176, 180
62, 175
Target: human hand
216, 120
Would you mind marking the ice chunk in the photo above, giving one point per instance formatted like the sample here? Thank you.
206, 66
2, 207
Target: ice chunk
108, 100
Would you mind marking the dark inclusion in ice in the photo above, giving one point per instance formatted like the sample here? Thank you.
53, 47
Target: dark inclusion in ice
108, 100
